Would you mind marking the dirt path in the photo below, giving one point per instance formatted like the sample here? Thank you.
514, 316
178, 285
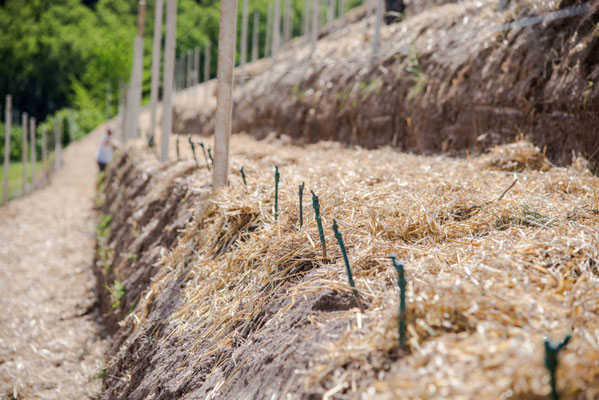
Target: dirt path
49, 339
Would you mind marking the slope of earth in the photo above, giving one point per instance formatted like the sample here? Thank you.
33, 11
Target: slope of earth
50, 339
216, 297
450, 77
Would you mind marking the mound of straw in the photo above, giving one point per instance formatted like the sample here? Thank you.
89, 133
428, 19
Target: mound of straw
492, 268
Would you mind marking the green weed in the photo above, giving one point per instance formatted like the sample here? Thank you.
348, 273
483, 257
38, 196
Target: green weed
525, 216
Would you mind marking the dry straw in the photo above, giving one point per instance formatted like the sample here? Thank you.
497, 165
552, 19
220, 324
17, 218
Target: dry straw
492, 271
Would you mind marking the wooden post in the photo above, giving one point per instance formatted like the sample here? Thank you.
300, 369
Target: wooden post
207, 63
189, 75
342, 7
32, 135
196, 65
256, 29
377, 27
306, 20
24, 121
7, 126
276, 29
314, 33
244, 39
156, 52
44, 146
57, 146
122, 110
134, 100
268, 34
287, 22
167, 85
224, 108
331, 11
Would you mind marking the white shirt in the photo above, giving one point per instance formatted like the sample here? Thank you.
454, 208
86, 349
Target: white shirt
105, 149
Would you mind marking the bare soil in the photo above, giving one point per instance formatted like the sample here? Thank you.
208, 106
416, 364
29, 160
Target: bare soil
51, 344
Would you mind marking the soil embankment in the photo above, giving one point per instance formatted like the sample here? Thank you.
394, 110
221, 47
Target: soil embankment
51, 344
216, 299
446, 81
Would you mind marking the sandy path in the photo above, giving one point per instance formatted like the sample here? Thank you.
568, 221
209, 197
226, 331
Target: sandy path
49, 338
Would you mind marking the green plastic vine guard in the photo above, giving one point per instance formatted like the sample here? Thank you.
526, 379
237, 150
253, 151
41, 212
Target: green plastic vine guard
551, 362
210, 155
301, 208
277, 177
193, 149
350, 278
151, 142
242, 172
401, 283
316, 206
205, 156
178, 154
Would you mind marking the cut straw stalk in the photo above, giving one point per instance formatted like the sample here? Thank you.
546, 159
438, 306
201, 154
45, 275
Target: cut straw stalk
316, 206
551, 362
347, 266
177, 147
401, 283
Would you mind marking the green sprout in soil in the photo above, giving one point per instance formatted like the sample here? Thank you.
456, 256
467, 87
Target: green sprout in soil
117, 293
151, 142
193, 149
301, 207
103, 230
242, 172
277, 177
350, 278
552, 361
401, 283
527, 216
417, 76
316, 206
205, 156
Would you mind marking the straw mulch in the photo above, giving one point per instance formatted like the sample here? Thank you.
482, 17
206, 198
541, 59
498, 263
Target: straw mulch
492, 268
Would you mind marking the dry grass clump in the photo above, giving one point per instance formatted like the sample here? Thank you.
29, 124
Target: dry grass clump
516, 156
488, 275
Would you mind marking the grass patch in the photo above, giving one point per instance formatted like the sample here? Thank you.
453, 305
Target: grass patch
525, 216
15, 178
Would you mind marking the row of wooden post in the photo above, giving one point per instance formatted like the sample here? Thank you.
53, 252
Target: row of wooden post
185, 72
29, 136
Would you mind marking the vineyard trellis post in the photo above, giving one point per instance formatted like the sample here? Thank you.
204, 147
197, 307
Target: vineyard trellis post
244, 38
156, 52
44, 149
256, 29
134, 100
377, 27
24, 122
207, 63
196, 65
306, 20
57, 146
189, 74
268, 33
276, 30
167, 85
314, 30
224, 108
32, 135
287, 22
7, 127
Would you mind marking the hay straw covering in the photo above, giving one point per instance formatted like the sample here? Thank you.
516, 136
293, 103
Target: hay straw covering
487, 278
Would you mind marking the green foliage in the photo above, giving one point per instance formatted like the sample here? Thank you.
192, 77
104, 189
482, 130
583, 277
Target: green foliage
117, 293
15, 178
